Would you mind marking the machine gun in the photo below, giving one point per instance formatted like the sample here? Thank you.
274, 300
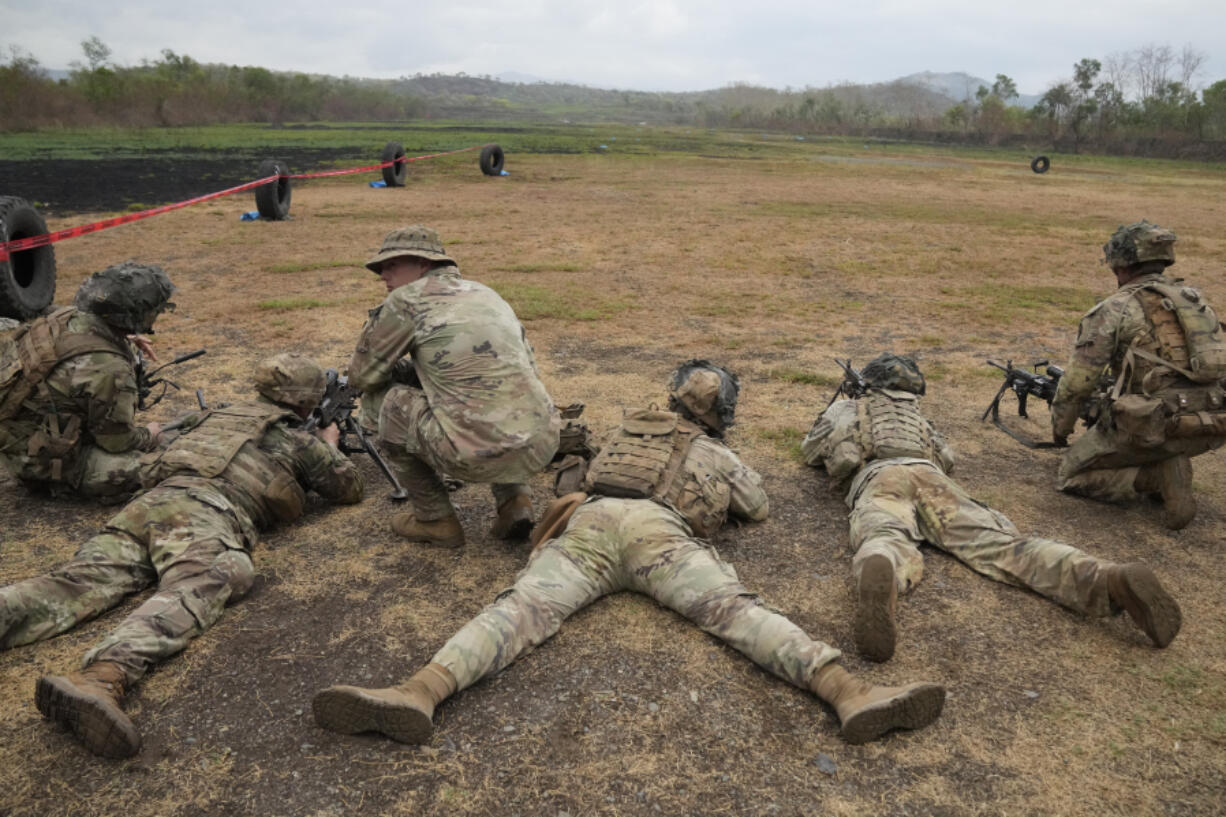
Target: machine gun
146, 382
854, 385
1024, 384
337, 405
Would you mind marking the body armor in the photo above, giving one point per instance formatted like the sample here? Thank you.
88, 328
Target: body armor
648, 458
37, 348
212, 449
890, 425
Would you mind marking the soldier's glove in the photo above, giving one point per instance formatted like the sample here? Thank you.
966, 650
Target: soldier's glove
404, 373
1061, 440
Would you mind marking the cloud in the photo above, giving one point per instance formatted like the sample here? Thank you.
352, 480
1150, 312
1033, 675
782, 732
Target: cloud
663, 45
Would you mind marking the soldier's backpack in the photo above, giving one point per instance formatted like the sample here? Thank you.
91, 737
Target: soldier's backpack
1187, 330
34, 349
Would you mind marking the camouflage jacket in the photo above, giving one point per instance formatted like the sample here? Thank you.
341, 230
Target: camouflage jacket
472, 358
1104, 335
835, 443
711, 459
265, 479
98, 388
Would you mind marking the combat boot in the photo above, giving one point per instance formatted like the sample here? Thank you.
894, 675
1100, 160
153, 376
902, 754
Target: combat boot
514, 518
404, 713
87, 703
876, 601
1135, 589
867, 712
445, 532
1172, 479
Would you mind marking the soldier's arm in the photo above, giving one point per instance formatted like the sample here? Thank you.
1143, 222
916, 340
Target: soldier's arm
831, 443
1096, 337
749, 500
945, 452
320, 467
109, 385
387, 337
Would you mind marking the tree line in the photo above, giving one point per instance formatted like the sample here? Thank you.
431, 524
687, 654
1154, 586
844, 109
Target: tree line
1142, 102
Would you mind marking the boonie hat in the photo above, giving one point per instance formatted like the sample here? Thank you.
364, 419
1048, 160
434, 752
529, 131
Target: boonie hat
417, 240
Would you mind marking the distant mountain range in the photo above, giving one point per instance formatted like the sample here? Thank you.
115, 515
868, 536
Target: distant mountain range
959, 86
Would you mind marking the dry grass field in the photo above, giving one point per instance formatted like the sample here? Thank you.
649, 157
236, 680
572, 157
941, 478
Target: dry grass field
622, 266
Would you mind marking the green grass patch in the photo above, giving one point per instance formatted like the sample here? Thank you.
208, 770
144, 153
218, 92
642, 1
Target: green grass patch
558, 266
532, 302
307, 266
786, 440
295, 303
804, 377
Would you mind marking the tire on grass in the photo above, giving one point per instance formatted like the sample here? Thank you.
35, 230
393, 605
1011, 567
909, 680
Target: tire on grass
27, 278
1040, 164
272, 199
394, 175
492, 160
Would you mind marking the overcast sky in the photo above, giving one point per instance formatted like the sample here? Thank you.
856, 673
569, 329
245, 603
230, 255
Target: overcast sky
675, 45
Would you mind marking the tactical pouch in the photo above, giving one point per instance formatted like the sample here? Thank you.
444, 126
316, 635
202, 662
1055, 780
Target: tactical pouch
1140, 419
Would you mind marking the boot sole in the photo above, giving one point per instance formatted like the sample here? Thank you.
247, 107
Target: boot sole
1179, 506
875, 631
1152, 608
88, 717
917, 707
350, 711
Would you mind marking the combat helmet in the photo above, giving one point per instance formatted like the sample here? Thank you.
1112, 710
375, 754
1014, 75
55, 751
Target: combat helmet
891, 371
705, 393
290, 379
1138, 243
417, 240
128, 296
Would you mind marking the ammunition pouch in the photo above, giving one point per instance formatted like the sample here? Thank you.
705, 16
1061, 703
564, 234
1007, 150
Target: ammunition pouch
285, 497
1139, 419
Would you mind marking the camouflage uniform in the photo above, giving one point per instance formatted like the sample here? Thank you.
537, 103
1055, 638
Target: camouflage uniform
476, 409
1104, 462
76, 431
613, 544
900, 497
232, 472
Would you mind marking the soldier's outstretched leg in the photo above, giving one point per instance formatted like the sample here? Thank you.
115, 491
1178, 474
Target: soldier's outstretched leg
88, 704
867, 712
106, 568
986, 541
195, 587
563, 576
687, 577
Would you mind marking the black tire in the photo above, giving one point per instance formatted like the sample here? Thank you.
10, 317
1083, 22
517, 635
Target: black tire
1040, 164
394, 175
492, 160
272, 199
27, 278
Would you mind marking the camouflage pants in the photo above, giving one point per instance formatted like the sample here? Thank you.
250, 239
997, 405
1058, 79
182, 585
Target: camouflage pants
629, 544
1101, 466
902, 506
96, 473
191, 548
414, 443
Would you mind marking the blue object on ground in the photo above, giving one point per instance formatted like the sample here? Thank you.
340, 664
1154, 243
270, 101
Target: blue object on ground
604, 147
504, 173
379, 183
250, 215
